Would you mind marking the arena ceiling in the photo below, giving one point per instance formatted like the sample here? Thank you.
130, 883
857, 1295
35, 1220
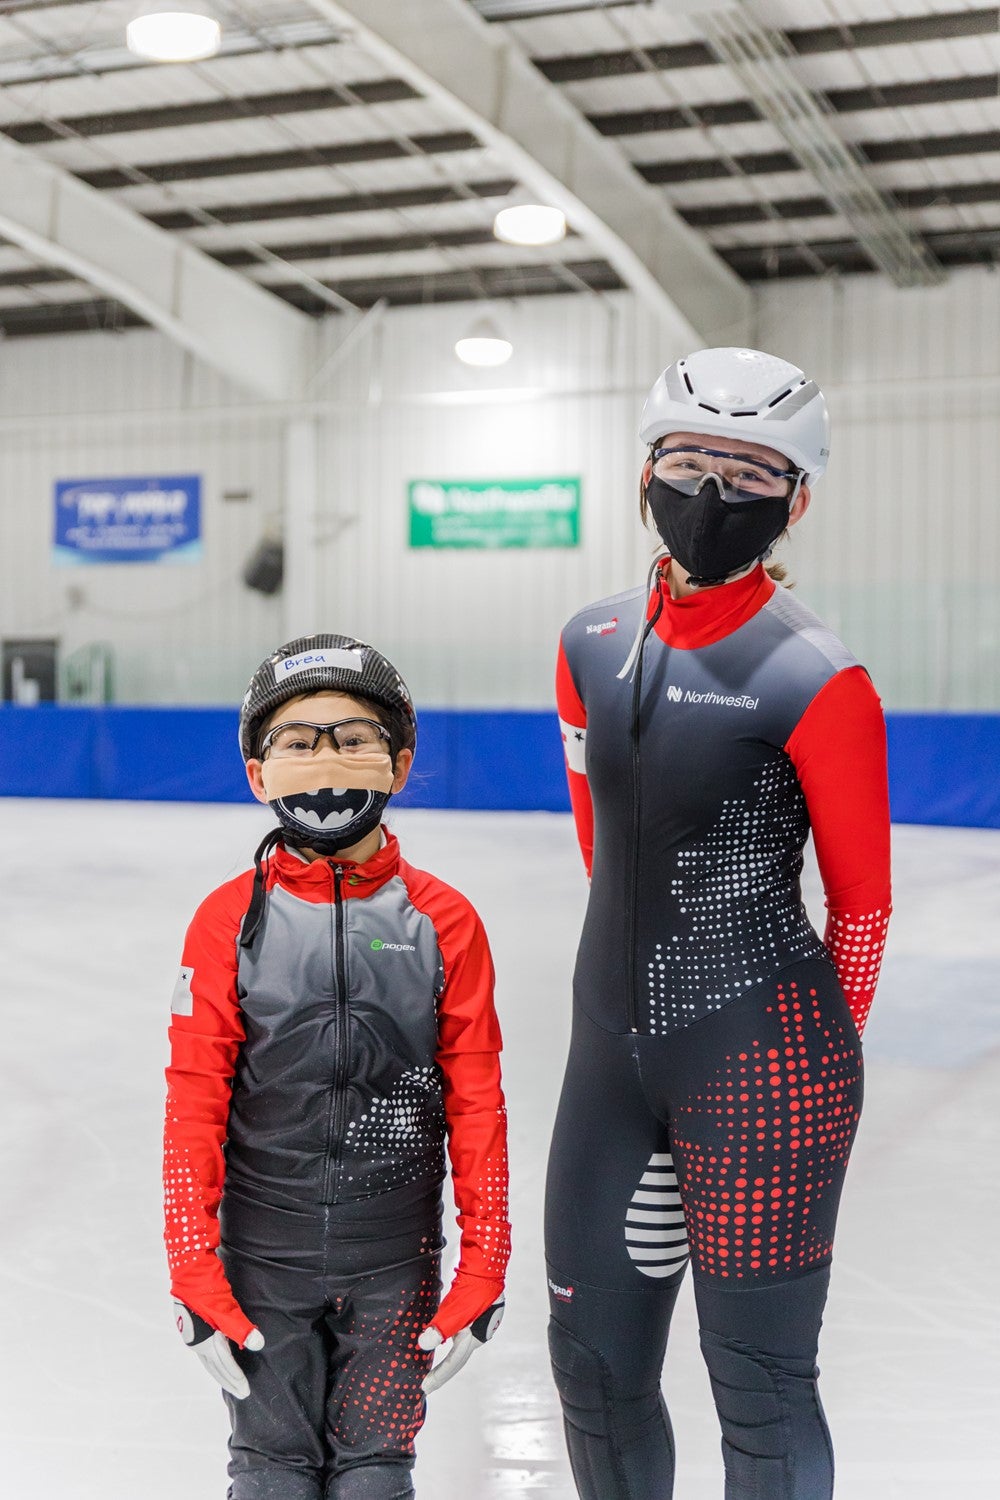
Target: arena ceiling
305, 159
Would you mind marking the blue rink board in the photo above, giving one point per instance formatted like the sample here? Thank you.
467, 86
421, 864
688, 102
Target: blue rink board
944, 768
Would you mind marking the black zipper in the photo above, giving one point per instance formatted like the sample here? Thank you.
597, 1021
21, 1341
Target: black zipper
632, 888
338, 1095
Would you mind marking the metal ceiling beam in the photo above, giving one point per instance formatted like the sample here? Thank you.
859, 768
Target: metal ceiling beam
477, 73
93, 60
298, 250
217, 314
384, 244
335, 203
809, 42
213, 111
102, 315
529, 10
710, 168
699, 216
978, 143
449, 286
465, 285
198, 168
910, 200
759, 58
756, 263
766, 262
35, 276
841, 102
19, 7
613, 123
767, 163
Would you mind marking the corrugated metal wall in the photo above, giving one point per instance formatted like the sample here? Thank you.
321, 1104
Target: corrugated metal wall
128, 405
479, 628
899, 552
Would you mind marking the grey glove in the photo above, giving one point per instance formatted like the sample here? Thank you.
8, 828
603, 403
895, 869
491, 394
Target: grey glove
215, 1351
463, 1346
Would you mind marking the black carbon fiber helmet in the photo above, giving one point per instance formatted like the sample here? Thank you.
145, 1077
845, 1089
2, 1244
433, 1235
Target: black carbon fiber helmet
318, 663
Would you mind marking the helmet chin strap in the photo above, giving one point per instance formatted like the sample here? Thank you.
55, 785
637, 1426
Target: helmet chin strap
712, 583
633, 656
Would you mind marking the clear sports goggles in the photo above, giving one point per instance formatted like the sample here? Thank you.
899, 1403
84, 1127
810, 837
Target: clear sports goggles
350, 736
744, 478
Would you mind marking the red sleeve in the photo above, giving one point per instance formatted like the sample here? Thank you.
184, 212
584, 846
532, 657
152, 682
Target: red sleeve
573, 724
468, 1054
205, 1035
838, 749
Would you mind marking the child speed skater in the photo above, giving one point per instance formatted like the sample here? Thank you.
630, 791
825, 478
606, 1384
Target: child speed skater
333, 1025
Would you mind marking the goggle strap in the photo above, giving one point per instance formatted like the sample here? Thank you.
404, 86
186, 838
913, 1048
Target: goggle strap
258, 896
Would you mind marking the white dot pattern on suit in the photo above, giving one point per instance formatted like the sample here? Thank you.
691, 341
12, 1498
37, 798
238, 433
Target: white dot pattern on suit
743, 920
491, 1229
391, 1136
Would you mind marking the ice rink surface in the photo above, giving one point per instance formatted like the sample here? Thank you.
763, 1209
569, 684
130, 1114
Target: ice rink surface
101, 1401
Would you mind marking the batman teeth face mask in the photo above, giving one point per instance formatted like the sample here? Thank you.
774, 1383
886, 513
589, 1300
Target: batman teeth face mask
330, 819
317, 808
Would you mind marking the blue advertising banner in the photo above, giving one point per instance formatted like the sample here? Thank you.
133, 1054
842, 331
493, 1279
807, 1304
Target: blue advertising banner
128, 520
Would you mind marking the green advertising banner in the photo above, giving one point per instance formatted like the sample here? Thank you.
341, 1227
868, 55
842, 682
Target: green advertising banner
494, 512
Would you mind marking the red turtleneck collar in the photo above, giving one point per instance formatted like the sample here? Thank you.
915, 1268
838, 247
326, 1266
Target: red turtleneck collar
706, 616
312, 879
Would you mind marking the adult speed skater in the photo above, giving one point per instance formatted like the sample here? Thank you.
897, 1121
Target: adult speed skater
714, 1081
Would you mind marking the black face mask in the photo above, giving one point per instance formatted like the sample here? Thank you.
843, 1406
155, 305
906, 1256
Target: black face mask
712, 532
329, 820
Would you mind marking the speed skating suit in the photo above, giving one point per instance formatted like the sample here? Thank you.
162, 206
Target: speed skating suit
714, 1080
314, 1077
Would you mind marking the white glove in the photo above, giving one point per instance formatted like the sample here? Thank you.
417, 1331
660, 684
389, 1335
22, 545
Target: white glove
214, 1351
463, 1346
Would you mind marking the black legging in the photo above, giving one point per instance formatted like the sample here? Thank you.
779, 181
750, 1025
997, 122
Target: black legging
341, 1293
729, 1139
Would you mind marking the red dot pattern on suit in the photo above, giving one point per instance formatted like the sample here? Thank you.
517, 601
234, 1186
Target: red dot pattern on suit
783, 1128
380, 1392
855, 942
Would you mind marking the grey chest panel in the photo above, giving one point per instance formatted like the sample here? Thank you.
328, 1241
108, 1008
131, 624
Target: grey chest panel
337, 1091
722, 819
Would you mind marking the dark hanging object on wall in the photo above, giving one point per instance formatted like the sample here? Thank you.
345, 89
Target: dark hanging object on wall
264, 568
30, 670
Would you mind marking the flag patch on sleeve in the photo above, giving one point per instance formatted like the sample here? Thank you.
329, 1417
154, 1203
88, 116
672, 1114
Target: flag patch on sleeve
182, 1000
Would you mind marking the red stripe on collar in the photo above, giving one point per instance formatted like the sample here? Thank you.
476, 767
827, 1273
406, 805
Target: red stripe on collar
708, 615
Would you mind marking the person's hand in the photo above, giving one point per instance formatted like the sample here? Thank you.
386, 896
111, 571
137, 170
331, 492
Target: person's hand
463, 1345
213, 1349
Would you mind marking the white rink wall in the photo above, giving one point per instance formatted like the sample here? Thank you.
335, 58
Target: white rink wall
899, 552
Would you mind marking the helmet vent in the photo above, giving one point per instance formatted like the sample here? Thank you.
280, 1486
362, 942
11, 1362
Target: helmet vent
741, 394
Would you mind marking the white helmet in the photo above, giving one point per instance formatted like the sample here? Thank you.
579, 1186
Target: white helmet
742, 393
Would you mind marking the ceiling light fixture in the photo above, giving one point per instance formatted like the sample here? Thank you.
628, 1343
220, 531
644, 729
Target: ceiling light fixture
530, 224
484, 345
174, 36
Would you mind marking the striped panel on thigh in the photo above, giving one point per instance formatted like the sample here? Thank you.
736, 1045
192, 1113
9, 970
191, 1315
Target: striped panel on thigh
655, 1236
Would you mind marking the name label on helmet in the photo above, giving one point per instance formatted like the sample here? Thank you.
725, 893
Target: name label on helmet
339, 657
